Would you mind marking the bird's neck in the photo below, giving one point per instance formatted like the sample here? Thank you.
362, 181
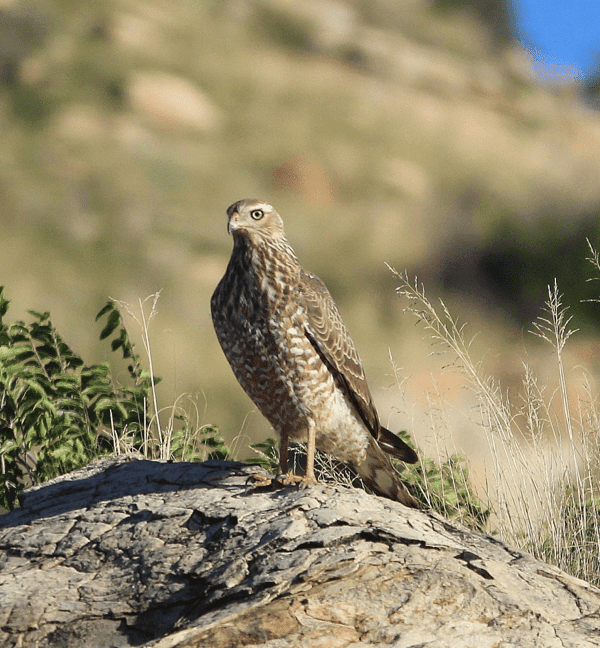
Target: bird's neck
267, 262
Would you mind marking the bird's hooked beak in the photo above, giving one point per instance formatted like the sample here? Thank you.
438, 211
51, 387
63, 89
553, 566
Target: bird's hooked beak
233, 222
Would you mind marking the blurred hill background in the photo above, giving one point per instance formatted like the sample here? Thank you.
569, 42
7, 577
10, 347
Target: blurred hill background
414, 133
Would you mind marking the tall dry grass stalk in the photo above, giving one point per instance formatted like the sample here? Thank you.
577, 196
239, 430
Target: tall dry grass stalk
173, 431
143, 320
542, 487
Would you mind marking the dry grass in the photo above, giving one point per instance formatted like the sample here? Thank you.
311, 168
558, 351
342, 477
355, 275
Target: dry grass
172, 432
542, 485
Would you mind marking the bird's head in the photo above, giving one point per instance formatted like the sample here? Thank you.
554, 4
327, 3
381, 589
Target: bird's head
255, 220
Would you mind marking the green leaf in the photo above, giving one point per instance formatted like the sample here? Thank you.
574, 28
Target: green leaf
42, 317
113, 322
10, 353
109, 307
4, 304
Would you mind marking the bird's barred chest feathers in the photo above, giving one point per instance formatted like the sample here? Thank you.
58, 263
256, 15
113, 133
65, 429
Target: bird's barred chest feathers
262, 331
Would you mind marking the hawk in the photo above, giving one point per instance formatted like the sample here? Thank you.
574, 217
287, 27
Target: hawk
288, 347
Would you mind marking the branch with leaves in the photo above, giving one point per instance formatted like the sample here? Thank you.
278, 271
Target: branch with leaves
58, 414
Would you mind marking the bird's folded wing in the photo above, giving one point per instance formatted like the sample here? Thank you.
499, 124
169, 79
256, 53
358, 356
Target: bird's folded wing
330, 338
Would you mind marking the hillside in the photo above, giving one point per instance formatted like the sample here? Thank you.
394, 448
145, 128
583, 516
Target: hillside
412, 135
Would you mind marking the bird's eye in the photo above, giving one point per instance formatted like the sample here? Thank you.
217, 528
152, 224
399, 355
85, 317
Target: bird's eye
257, 214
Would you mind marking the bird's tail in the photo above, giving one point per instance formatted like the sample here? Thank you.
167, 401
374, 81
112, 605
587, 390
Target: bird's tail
380, 476
394, 445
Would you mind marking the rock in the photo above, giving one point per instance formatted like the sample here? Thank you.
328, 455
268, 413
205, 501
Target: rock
128, 552
172, 101
331, 24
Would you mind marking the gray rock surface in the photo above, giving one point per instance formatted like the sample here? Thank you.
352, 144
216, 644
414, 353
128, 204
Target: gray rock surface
128, 552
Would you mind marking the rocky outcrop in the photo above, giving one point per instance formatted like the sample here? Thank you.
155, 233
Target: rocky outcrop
128, 552
171, 101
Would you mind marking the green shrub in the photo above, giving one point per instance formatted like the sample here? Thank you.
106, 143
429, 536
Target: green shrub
58, 414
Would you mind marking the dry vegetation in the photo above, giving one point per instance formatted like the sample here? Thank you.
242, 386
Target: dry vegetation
542, 484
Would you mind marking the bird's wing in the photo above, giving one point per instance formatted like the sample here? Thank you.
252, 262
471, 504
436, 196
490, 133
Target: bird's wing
330, 338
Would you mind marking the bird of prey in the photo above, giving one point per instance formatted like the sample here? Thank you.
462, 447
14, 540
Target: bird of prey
288, 347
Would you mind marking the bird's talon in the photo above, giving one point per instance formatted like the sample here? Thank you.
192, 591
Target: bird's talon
308, 481
288, 479
260, 481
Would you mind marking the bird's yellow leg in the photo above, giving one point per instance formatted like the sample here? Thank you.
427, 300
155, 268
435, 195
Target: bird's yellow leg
309, 478
283, 454
284, 477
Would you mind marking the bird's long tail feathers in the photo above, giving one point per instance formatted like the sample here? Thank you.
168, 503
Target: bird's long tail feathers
380, 476
394, 445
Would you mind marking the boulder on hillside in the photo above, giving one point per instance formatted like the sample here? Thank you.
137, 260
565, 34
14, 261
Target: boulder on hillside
172, 101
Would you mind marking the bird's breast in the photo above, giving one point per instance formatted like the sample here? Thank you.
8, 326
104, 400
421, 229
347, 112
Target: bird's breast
261, 322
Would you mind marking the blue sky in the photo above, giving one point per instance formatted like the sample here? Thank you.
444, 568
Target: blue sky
562, 35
